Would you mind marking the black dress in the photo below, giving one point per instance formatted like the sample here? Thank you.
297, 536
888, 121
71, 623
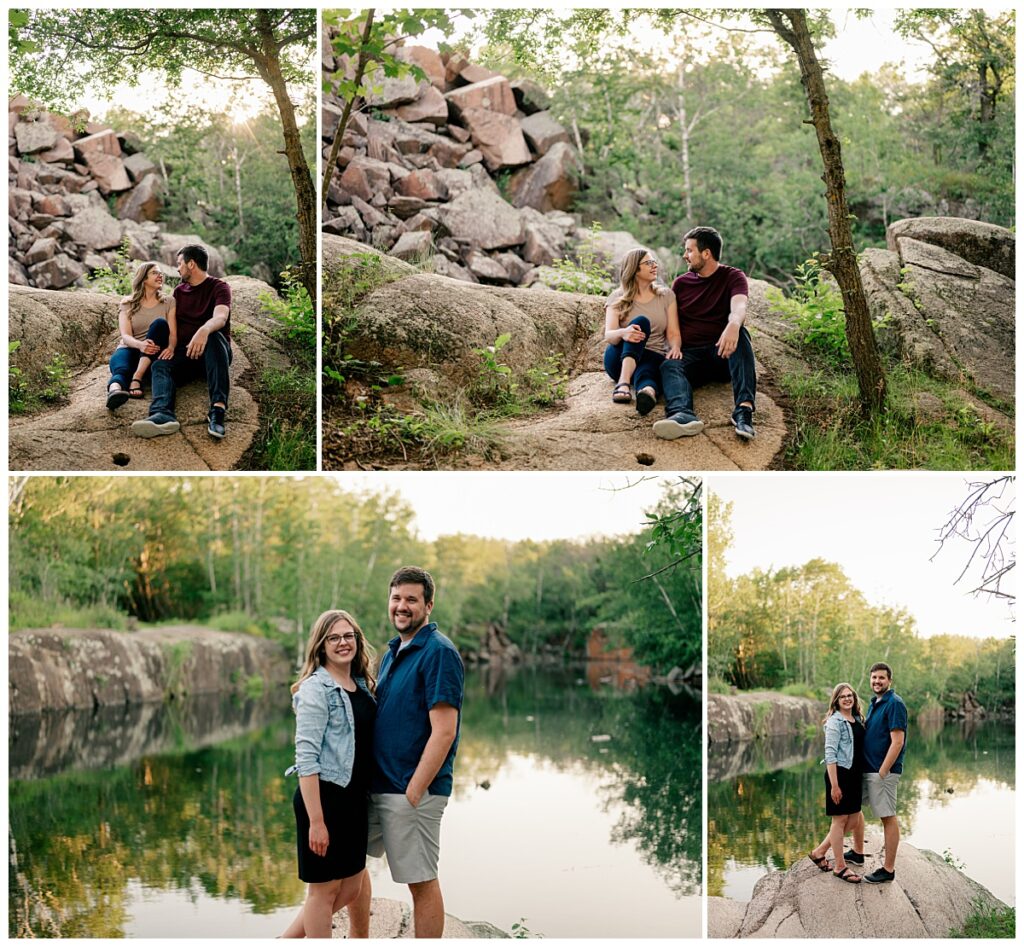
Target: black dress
345, 808
849, 779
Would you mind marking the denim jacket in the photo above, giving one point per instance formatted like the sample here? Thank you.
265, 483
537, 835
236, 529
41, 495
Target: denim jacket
324, 729
838, 741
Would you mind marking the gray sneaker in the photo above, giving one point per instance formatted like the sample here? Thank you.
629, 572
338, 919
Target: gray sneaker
155, 426
678, 425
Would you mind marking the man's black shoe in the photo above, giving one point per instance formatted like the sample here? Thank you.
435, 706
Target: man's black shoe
856, 857
879, 876
743, 421
216, 425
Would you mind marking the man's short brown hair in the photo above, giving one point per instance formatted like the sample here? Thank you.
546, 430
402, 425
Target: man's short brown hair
414, 575
881, 666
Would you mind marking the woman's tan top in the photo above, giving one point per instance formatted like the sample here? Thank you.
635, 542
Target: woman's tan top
655, 309
143, 319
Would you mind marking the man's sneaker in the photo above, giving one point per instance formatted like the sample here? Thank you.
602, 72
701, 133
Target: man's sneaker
216, 426
155, 425
743, 421
855, 857
678, 425
879, 876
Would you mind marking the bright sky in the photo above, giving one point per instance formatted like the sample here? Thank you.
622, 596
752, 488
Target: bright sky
517, 506
860, 45
881, 530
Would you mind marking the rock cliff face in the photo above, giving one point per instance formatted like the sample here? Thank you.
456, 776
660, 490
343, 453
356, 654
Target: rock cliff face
81, 328
928, 899
62, 668
62, 181
754, 715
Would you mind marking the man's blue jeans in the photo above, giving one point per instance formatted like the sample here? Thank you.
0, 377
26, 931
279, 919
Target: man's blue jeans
647, 363
212, 365
702, 365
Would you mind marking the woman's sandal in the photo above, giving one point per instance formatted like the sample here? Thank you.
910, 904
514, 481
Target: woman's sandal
846, 875
821, 862
135, 388
621, 393
116, 397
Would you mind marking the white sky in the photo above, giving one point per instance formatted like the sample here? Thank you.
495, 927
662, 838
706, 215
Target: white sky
518, 506
860, 45
881, 530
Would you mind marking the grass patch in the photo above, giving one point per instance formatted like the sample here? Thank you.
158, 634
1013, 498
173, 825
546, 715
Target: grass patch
29, 611
988, 922
830, 432
716, 685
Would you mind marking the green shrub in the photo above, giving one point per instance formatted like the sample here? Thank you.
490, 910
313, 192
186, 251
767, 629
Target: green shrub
30, 611
115, 279
988, 922
716, 685
800, 690
586, 274
57, 377
17, 388
294, 311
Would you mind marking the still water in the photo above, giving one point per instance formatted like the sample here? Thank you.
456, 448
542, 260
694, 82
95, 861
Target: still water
766, 805
177, 821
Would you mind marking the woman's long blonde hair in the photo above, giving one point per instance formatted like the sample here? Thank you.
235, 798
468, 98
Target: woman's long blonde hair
833, 704
629, 285
315, 658
134, 301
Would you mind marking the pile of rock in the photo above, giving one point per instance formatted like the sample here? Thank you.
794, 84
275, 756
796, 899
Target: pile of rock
63, 178
417, 165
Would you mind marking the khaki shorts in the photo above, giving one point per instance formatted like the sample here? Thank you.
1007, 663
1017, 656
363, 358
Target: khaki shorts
410, 837
880, 793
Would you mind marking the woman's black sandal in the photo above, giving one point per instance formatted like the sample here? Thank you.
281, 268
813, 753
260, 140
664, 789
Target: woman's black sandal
135, 388
116, 397
845, 874
621, 393
821, 862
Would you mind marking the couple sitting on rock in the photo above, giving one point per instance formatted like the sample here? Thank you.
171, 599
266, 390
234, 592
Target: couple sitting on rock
185, 337
670, 341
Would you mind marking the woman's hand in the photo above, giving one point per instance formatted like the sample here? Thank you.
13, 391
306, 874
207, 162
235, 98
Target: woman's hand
633, 334
837, 795
149, 347
318, 838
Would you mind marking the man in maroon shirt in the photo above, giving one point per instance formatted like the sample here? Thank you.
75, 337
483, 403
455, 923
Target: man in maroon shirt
203, 310
712, 303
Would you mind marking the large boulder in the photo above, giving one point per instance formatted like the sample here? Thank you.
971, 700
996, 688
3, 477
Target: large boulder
548, 184
928, 899
430, 106
494, 95
94, 229
737, 718
81, 434
542, 131
977, 242
34, 137
482, 219
498, 137
142, 202
168, 245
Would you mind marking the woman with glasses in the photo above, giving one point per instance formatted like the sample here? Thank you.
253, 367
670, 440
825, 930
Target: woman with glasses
334, 718
844, 749
641, 329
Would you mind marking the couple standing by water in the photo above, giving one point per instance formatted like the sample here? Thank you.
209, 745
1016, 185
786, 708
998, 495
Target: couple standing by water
863, 763
374, 759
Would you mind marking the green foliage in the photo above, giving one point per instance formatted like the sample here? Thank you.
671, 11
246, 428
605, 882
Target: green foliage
254, 687
950, 859
715, 685
57, 377
286, 439
497, 386
296, 315
587, 273
521, 932
115, 279
800, 690
28, 611
987, 922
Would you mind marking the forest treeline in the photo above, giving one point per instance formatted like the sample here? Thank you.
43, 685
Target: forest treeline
808, 627
268, 555
711, 128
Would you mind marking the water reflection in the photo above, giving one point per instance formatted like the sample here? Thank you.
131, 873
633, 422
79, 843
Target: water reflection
761, 817
191, 799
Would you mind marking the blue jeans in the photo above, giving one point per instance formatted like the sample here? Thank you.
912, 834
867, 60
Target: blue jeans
701, 365
212, 366
647, 373
124, 361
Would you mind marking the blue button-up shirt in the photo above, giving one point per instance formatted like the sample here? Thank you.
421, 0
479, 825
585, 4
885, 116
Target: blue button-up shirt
426, 672
886, 713
325, 741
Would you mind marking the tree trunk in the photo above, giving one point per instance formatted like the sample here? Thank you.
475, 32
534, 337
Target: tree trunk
791, 26
269, 66
361, 64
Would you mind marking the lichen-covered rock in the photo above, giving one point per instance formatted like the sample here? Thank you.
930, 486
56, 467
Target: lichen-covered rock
976, 241
759, 714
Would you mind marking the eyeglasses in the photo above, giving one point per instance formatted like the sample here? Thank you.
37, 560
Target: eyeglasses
336, 639
649, 263
846, 696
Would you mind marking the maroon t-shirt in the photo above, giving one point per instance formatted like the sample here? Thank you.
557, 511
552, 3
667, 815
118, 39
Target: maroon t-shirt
703, 303
193, 306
